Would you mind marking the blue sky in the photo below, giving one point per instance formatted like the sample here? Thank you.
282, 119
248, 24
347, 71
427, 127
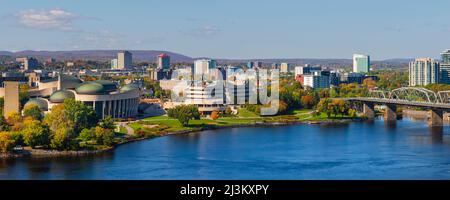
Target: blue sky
231, 28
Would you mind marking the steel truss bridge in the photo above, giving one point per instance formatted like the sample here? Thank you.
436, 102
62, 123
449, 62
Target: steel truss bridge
409, 96
435, 102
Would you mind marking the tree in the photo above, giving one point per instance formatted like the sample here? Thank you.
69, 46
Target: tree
4, 126
324, 106
62, 139
283, 107
86, 135
57, 118
35, 133
215, 115
104, 136
13, 118
184, 113
107, 123
32, 111
79, 115
6, 142
307, 101
352, 113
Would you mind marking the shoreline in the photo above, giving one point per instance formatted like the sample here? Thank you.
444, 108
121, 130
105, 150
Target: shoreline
41, 153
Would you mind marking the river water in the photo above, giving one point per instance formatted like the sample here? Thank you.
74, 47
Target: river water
361, 150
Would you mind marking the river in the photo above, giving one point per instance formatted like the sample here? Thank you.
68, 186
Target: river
360, 150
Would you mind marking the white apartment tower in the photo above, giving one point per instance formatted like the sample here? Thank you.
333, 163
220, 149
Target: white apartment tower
423, 71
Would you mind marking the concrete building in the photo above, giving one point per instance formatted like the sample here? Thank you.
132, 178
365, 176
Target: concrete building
197, 94
202, 67
28, 64
361, 63
163, 61
423, 71
11, 100
299, 70
284, 67
316, 80
444, 71
348, 78
114, 64
105, 97
124, 60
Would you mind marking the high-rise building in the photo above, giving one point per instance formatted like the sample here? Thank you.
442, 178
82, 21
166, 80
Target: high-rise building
444, 71
250, 65
306, 70
163, 61
316, 80
423, 71
114, 63
124, 60
284, 67
258, 64
202, 67
361, 63
275, 66
28, 64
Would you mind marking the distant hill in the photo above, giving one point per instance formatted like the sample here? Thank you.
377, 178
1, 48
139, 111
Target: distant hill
150, 56
102, 55
295, 61
5, 53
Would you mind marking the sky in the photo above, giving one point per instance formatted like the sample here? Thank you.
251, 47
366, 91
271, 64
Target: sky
234, 29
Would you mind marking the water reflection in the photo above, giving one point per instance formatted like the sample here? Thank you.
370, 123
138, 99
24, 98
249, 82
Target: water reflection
390, 124
369, 150
437, 134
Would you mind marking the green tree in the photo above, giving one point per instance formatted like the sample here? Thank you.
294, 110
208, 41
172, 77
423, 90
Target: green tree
32, 111
324, 107
4, 126
35, 134
104, 136
107, 123
79, 115
184, 113
86, 135
62, 139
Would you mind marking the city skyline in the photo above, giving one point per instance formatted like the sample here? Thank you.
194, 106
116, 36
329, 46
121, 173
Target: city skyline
292, 29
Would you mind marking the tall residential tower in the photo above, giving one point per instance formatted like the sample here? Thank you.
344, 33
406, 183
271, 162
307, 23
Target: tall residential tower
163, 61
445, 67
361, 63
124, 60
423, 71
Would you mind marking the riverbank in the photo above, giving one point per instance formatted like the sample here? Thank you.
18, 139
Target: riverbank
161, 126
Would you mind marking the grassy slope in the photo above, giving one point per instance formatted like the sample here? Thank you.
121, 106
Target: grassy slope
244, 117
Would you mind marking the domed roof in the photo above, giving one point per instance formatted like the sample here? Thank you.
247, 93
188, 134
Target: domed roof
70, 82
61, 95
40, 102
108, 86
90, 88
129, 87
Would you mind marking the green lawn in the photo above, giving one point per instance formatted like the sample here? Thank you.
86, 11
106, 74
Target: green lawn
245, 117
246, 113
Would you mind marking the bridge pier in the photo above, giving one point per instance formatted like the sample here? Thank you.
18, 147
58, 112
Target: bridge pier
390, 115
436, 118
369, 110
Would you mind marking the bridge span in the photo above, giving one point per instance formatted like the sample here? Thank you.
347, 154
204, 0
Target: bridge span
436, 103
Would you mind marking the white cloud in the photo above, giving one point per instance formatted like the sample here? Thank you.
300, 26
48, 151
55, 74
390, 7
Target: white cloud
56, 19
